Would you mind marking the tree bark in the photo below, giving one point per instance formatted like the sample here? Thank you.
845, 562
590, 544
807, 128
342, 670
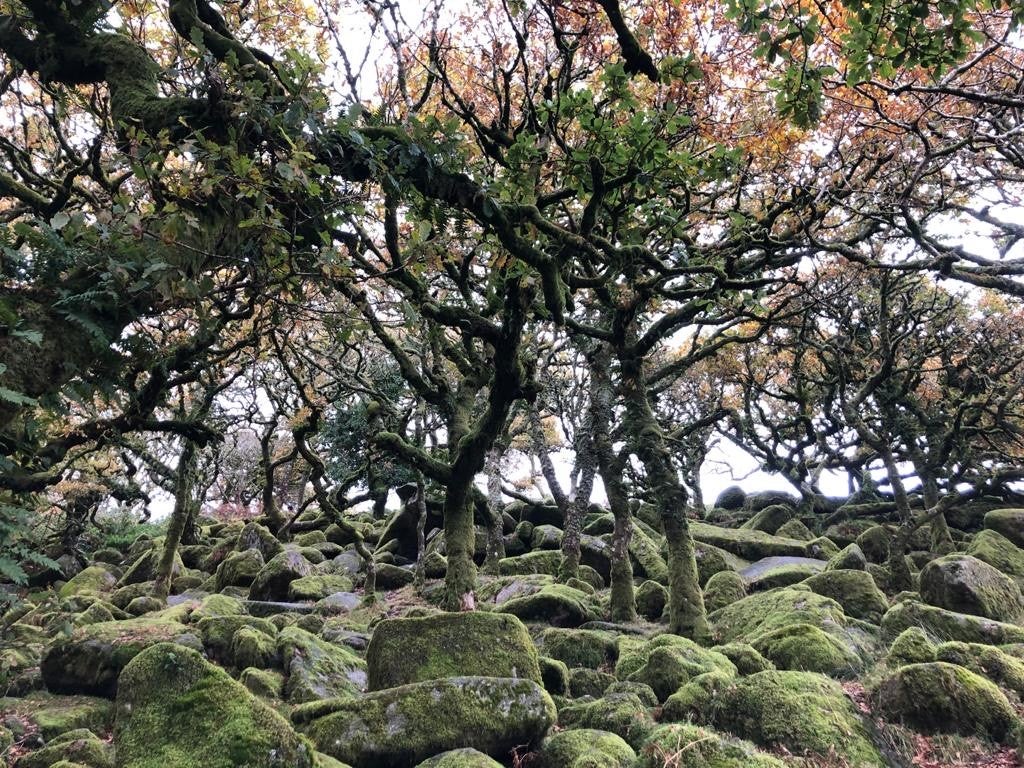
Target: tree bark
184, 505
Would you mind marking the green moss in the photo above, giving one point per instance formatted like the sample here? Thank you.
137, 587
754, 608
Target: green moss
556, 604
586, 748
555, 676
546, 561
941, 697
580, 647
804, 712
795, 529
770, 519
175, 708
460, 758
807, 648
712, 560
998, 551
254, 536
696, 698
54, 715
317, 586
316, 669
90, 660
854, 590
745, 658
266, 683
94, 580
682, 745
252, 648
588, 682
642, 690
767, 611
667, 662
216, 605
399, 727
274, 578
405, 651
874, 543
850, 558
239, 569
647, 559
751, 545
822, 548
623, 714
722, 589
948, 625
911, 646
1007, 522
218, 631
651, 598
967, 585
80, 746
998, 666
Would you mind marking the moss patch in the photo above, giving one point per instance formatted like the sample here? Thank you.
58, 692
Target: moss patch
620, 713
586, 748
667, 662
175, 708
854, 590
948, 625
316, 669
682, 745
580, 647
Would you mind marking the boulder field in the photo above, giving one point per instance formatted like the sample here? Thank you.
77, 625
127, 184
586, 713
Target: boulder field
268, 655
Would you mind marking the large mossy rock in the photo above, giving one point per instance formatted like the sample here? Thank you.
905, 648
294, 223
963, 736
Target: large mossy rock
176, 709
79, 747
667, 662
624, 714
318, 586
1007, 522
966, 584
239, 569
807, 648
586, 748
771, 572
254, 536
400, 727
90, 660
988, 661
768, 611
750, 545
803, 712
477, 643
946, 698
770, 519
948, 625
683, 745
556, 604
998, 551
316, 669
460, 758
855, 590
94, 581
54, 715
274, 578
580, 647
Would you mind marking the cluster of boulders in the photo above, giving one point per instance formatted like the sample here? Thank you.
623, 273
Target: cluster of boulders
267, 654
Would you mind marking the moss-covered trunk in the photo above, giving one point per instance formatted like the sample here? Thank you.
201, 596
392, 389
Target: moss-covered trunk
184, 504
460, 543
687, 614
495, 527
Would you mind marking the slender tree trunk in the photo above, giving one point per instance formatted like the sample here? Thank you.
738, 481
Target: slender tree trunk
271, 509
942, 539
540, 447
184, 483
460, 543
586, 464
687, 614
623, 599
420, 502
496, 528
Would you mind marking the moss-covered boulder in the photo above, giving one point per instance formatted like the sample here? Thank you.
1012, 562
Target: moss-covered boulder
586, 748
998, 666
547, 561
316, 669
580, 647
998, 551
79, 747
274, 578
239, 569
949, 625
747, 659
556, 604
477, 643
554, 675
390, 576
624, 714
696, 698
176, 709
218, 632
807, 648
767, 611
399, 727
144, 567
682, 745
772, 572
1008, 523
795, 529
711, 560
724, 588
803, 712
667, 662
460, 758
945, 698
318, 586
651, 599
849, 558
54, 714
855, 590
589, 682
216, 605
252, 648
94, 581
770, 519
254, 536
965, 584
911, 646
750, 545
90, 660
646, 557
874, 543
